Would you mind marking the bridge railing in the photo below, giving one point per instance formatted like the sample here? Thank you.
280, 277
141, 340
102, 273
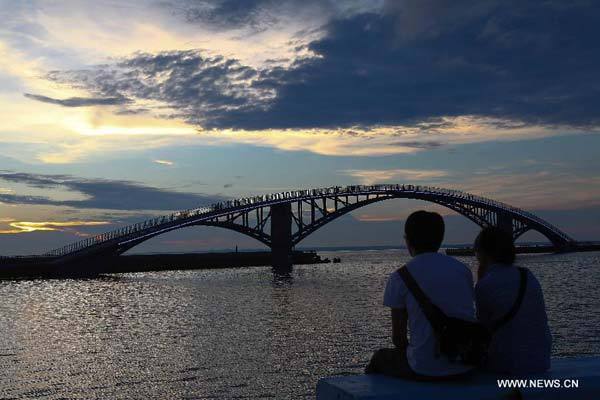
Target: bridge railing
129, 230
495, 203
150, 224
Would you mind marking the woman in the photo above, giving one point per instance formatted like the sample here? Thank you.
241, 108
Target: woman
521, 341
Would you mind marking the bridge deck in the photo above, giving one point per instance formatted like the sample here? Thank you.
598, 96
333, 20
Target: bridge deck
480, 386
282, 220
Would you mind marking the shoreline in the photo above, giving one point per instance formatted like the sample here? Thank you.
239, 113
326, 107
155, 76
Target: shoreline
529, 249
46, 267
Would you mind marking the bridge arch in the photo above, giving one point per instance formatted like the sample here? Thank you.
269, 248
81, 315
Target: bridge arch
333, 216
233, 227
282, 220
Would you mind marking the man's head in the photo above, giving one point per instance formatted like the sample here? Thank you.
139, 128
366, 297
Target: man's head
423, 232
494, 246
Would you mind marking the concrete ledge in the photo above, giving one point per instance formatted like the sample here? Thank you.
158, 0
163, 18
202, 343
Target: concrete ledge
481, 386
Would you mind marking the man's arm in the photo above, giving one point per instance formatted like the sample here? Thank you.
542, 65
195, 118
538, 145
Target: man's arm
399, 322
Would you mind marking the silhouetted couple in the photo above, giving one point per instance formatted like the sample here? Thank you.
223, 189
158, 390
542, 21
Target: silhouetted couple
433, 298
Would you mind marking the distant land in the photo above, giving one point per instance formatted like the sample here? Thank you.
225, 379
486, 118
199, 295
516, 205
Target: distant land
336, 248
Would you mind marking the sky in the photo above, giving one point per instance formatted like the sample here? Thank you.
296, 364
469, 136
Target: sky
112, 112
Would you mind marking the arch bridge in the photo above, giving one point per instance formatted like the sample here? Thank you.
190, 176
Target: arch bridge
282, 220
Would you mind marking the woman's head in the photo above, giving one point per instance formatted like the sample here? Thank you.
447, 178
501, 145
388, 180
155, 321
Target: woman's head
494, 246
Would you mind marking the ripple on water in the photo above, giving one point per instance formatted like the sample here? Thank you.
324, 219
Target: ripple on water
234, 332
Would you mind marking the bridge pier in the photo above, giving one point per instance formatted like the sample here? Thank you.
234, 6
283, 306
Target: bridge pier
281, 238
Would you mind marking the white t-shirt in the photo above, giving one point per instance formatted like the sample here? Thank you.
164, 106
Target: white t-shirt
449, 285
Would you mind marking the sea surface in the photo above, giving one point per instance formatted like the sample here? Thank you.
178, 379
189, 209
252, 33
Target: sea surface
235, 333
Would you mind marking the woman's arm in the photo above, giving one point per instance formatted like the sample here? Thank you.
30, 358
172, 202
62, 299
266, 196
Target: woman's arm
482, 307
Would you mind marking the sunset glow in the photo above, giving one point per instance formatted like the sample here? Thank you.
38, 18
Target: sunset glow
27, 227
150, 106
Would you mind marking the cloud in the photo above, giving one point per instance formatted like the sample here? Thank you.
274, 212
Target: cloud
102, 193
379, 218
416, 19
522, 62
261, 15
529, 63
536, 190
27, 227
229, 14
371, 176
419, 145
164, 162
359, 79
530, 186
187, 83
79, 101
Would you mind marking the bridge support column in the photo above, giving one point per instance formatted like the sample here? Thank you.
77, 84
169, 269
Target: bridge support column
505, 222
281, 238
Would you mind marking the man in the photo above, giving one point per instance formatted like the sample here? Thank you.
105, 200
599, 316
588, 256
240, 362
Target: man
522, 344
447, 282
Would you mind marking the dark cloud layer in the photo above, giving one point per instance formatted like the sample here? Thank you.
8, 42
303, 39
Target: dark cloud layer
258, 15
419, 145
102, 193
530, 62
198, 87
79, 101
229, 13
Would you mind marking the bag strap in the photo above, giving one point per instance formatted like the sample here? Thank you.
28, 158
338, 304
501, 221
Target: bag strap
516, 305
434, 314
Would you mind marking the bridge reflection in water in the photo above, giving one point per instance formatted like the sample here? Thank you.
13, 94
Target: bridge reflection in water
282, 220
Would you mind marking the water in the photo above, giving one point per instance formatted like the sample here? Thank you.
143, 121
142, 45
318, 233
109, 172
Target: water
234, 333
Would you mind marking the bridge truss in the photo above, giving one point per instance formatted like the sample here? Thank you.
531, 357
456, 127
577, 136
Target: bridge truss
282, 220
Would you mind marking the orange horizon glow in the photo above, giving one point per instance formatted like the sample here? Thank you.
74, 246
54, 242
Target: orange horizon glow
28, 226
